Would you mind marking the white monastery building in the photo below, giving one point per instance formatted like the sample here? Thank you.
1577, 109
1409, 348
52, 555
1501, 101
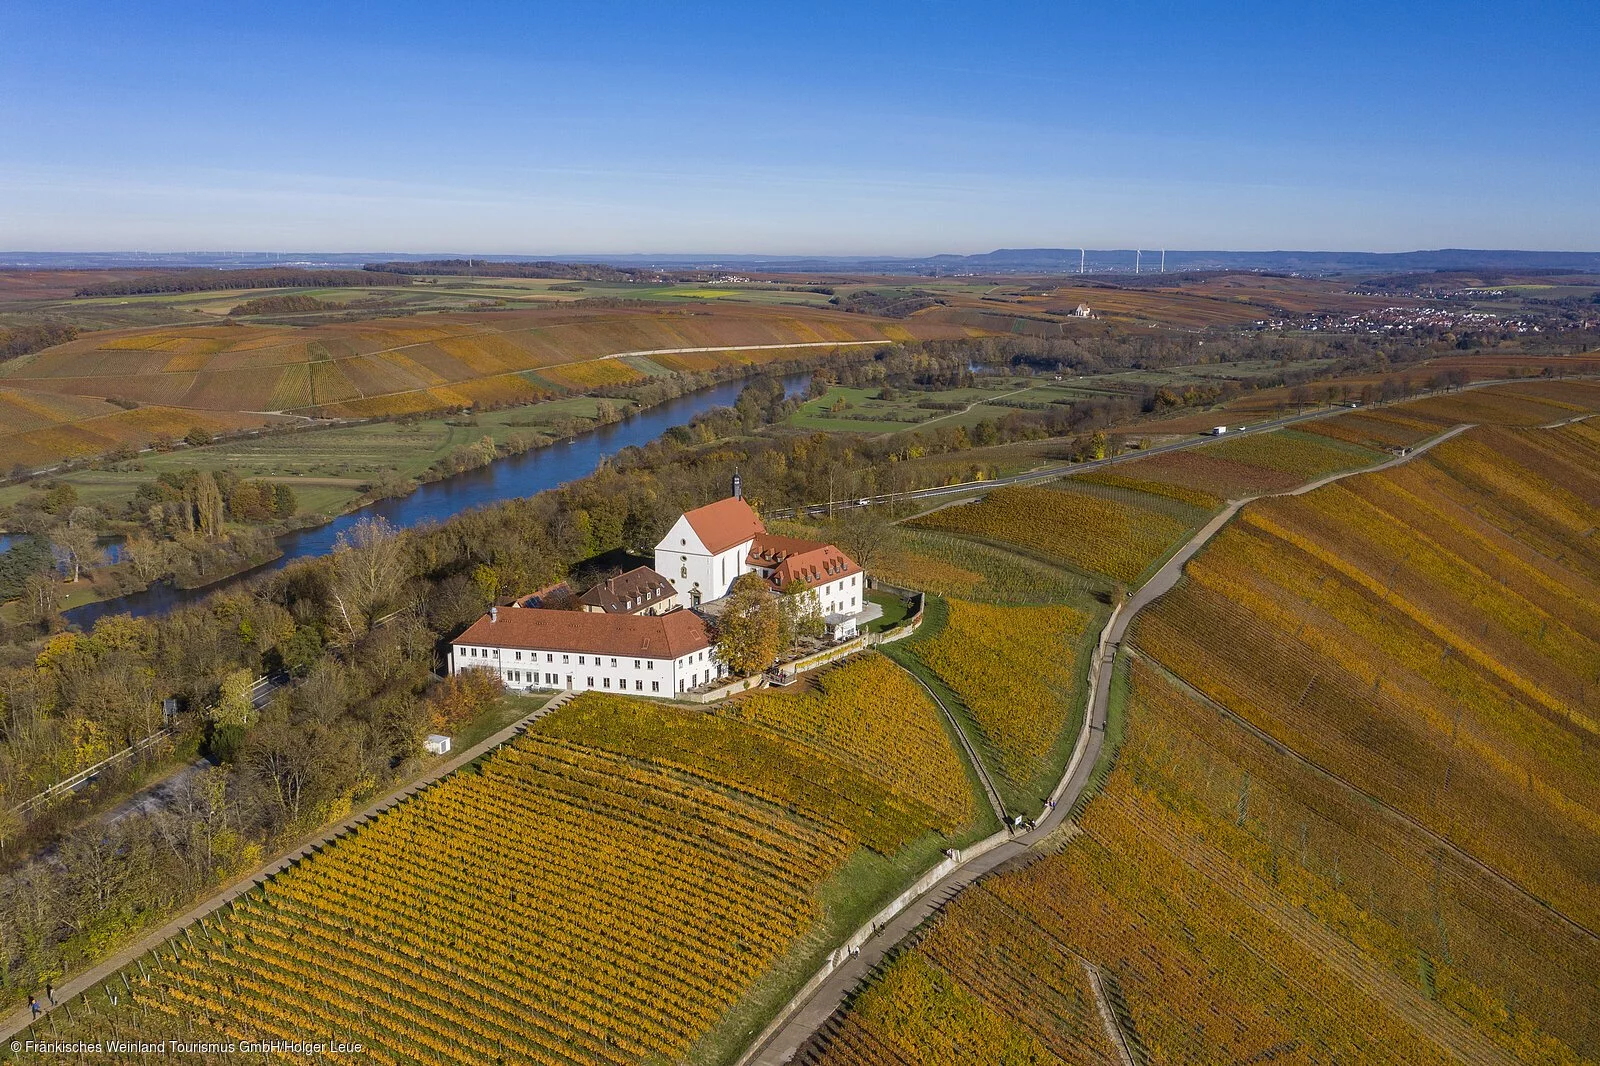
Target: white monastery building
641, 632
640, 654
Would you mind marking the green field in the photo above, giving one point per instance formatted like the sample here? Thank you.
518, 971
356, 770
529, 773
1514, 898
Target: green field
328, 468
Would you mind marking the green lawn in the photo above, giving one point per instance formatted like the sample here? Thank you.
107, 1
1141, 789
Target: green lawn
895, 611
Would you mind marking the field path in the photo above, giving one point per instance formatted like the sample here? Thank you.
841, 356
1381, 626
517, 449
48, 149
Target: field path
989, 790
70, 989
804, 1015
970, 406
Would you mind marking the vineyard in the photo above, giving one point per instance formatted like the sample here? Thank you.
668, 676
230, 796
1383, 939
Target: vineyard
1356, 815
1119, 538
601, 890
984, 986
954, 566
861, 751
230, 372
1017, 671
1237, 468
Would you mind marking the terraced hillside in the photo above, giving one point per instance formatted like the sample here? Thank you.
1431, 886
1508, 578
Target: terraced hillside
1355, 811
233, 371
629, 882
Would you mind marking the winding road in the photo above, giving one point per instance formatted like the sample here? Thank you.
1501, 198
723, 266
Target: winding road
803, 1016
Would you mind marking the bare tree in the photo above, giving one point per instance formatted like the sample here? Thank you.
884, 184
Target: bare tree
368, 573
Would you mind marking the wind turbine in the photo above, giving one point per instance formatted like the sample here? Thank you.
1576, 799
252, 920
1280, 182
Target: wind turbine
1163, 260
1082, 257
1136, 253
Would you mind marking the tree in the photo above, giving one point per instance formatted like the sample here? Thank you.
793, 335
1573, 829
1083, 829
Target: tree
234, 705
207, 505
864, 535
799, 614
76, 548
368, 572
749, 637
197, 436
41, 600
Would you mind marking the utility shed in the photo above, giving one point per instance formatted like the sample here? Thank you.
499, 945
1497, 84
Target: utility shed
437, 744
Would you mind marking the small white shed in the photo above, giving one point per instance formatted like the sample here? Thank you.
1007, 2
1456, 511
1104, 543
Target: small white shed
840, 626
437, 744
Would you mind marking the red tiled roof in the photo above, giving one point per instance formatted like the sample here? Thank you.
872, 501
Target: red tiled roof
661, 636
815, 567
725, 523
634, 590
770, 549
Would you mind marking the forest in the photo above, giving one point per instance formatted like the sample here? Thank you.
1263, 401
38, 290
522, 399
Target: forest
207, 279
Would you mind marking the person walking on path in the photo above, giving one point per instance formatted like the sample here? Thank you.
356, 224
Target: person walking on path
50, 992
33, 1005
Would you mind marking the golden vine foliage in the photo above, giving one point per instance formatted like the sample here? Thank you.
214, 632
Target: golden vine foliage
1015, 668
1117, 538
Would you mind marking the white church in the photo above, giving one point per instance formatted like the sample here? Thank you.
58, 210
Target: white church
643, 632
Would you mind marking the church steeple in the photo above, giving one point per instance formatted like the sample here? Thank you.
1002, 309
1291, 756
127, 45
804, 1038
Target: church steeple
738, 486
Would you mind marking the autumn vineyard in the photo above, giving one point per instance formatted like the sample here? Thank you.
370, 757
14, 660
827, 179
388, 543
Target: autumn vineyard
1346, 809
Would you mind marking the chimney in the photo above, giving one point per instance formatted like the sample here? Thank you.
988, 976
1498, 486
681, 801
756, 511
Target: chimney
494, 614
738, 486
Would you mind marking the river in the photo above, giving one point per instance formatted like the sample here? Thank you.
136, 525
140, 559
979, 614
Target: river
504, 479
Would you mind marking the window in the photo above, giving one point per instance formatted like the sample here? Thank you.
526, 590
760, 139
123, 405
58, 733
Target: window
622, 683
852, 601
549, 658
649, 664
566, 658
613, 661
655, 686
589, 681
636, 664
606, 681
519, 656
580, 660
638, 686
695, 679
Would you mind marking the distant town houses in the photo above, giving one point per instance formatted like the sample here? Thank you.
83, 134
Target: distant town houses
652, 630
1403, 319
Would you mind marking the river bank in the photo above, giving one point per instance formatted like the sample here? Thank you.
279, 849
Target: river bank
512, 476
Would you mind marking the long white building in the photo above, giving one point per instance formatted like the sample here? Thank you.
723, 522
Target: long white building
642, 655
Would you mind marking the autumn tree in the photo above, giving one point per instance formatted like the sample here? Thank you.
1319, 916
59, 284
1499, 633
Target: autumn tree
368, 568
750, 635
865, 535
234, 703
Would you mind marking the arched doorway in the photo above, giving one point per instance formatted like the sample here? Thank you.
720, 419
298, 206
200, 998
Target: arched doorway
694, 596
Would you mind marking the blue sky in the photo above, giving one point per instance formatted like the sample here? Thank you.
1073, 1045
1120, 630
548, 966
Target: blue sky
907, 128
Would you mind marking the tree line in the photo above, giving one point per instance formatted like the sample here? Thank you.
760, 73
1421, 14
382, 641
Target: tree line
207, 279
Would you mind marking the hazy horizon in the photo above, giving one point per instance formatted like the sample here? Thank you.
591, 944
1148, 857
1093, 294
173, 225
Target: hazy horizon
830, 130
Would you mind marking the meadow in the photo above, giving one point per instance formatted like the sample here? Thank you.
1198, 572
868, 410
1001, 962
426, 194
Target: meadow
330, 468
669, 864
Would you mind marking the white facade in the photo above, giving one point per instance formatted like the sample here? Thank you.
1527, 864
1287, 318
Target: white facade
527, 669
698, 573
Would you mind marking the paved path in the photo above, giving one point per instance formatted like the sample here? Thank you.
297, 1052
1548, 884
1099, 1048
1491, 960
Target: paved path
71, 989
800, 1020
